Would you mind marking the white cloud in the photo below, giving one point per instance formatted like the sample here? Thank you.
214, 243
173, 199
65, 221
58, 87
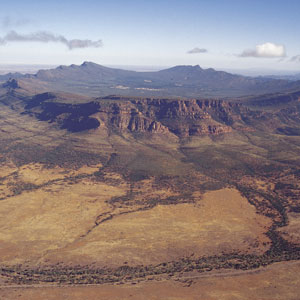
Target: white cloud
265, 50
197, 50
46, 37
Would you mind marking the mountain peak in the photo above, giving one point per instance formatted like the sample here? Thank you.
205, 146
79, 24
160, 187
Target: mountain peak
89, 64
184, 69
61, 67
197, 67
188, 67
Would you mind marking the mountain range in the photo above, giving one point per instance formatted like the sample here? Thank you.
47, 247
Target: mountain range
180, 81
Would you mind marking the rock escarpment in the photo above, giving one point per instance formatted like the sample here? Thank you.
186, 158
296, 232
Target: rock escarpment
181, 117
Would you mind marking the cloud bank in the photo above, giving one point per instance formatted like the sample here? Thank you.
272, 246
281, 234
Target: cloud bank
8, 22
46, 37
265, 50
295, 58
197, 50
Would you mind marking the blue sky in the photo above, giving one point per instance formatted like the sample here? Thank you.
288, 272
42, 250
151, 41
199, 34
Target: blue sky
222, 34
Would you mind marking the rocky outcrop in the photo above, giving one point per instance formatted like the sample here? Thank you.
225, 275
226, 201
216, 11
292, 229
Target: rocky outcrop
136, 122
11, 84
209, 129
191, 109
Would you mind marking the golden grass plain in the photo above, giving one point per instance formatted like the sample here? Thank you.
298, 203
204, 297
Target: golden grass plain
56, 223
221, 222
52, 216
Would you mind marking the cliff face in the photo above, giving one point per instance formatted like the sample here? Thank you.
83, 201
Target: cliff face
136, 122
181, 117
191, 117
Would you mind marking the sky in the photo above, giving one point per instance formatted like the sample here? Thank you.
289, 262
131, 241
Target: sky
222, 34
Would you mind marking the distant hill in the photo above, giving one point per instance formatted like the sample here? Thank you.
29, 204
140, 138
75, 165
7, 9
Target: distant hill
293, 77
180, 81
8, 76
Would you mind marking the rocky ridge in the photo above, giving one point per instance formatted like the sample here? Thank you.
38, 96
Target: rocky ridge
181, 117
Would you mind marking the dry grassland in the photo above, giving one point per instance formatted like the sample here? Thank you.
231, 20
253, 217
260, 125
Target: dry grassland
56, 222
221, 222
49, 218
